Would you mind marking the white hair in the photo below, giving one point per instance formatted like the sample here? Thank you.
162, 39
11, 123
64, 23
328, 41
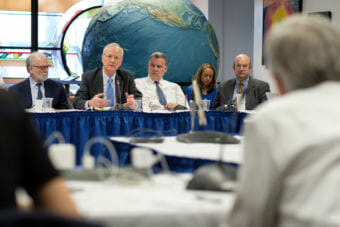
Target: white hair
304, 50
31, 59
115, 45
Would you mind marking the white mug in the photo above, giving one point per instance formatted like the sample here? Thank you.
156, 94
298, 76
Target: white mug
62, 155
142, 158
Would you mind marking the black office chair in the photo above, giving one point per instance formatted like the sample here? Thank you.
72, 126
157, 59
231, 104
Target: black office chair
14, 218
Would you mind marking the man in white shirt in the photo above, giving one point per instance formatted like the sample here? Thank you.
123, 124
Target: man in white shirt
157, 92
291, 171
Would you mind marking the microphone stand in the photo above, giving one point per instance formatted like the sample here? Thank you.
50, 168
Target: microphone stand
192, 115
203, 136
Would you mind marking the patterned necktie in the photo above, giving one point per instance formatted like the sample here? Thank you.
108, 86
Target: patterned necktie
40, 95
161, 96
240, 88
110, 92
239, 91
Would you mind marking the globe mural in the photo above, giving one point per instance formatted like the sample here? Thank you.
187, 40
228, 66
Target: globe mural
174, 27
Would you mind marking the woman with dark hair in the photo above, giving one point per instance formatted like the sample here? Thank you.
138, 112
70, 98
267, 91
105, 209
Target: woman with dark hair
206, 80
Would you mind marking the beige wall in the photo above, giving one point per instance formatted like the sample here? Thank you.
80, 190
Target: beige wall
202, 5
51, 6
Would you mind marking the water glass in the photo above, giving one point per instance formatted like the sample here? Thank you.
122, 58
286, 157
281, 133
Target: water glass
205, 104
47, 103
138, 105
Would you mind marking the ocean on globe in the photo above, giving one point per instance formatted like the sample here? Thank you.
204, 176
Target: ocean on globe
175, 27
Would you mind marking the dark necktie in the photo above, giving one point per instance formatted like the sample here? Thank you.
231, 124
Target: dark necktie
161, 97
40, 95
110, 92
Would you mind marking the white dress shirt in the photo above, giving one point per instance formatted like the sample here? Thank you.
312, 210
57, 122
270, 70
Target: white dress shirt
291, 171
105, 81
172, 92
34, 90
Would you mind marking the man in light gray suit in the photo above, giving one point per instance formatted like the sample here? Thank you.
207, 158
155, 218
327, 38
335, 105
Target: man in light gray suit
253, 89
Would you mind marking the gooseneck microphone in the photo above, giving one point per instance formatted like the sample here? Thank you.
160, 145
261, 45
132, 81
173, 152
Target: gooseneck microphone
118, 97
204, 136
197, 99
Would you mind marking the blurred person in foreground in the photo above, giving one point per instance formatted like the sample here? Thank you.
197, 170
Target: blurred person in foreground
157, 92
206, 81
290, 175
108, 86
38, 86
24, 163
244, 84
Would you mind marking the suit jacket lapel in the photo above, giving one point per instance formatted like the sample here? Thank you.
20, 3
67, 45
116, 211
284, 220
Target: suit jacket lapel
250, 94
27, 93
48, 90
230, 91
98, 83
118, 87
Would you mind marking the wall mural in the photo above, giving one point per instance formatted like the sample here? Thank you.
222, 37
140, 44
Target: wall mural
276, 10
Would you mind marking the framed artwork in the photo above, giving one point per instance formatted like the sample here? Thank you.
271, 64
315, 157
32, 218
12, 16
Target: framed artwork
326, 14
276, 10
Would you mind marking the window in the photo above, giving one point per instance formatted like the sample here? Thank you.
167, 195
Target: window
60, 36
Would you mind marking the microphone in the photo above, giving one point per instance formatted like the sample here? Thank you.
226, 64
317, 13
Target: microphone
197, 98
205, 136
118, 97
217, 176
104, 167
119, 105
229, 106
226, 106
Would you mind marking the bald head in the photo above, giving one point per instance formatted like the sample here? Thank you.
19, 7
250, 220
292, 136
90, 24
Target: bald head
242, 67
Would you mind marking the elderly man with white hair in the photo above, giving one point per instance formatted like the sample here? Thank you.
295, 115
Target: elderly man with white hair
38, 86
291, 171
108, 86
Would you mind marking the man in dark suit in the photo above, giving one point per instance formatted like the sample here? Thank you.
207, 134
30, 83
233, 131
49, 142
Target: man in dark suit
253, 89
107, 86
37, 86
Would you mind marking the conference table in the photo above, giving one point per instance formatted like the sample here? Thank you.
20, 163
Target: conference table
181, 157
160, 201
78, 127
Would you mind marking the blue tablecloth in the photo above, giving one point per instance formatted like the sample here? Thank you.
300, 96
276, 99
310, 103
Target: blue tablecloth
79, 126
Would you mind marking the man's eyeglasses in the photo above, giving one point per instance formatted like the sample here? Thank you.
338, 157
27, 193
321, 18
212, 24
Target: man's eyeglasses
109, 56
43, 67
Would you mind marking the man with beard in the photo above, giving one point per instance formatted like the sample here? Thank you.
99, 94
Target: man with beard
38, 86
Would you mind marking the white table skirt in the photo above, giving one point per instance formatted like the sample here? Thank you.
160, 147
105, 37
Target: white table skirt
209, 151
